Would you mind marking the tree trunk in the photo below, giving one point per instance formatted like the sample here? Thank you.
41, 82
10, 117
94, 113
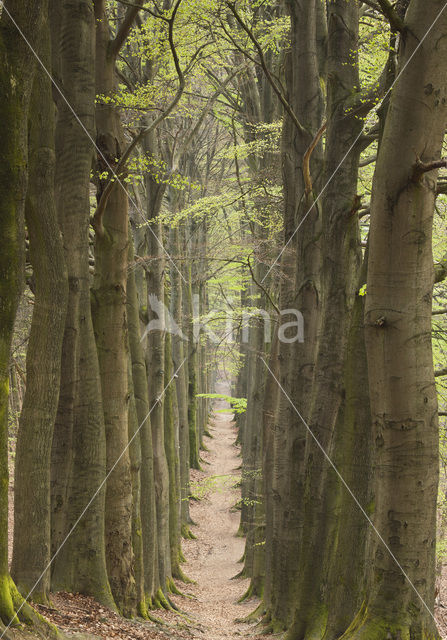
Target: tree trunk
341, 254
17, 67
398, 340
194, 440
32, 512
300, 267
147, 491
78, 452
171, 420
155, 362
110, 322
178, 357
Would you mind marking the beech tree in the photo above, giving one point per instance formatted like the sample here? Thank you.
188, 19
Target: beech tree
16, 78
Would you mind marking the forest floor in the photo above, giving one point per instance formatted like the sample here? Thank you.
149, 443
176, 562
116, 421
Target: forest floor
209, 608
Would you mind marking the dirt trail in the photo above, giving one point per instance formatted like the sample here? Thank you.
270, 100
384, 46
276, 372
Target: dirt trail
212, 559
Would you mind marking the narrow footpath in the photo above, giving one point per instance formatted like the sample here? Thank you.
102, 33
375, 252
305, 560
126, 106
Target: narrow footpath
213, 559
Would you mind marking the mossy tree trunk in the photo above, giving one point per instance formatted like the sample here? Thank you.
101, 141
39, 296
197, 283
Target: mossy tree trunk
398, 339
171, 420
17, 67
351, 452
110, 317
178, 357
32, 512
147, 487
194, 437
341, 255
78, 452
155, 363
300, 265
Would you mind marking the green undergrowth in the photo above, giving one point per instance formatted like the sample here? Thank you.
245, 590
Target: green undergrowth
238, 405
200, 489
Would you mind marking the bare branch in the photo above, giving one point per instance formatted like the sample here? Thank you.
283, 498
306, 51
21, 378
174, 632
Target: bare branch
152, 13
424, 167
212, 99
441, 269
307, 155
123, 31
99, 213
268, 75
396, 23
367, 161
261, 286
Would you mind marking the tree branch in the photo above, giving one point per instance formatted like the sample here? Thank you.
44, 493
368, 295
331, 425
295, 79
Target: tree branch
152, 13
396, 23
100, 209
268, 75
212, 99
439, 312
367, 161
424, 167
441, 372
441, 269
258, 284
123, 31
307, 155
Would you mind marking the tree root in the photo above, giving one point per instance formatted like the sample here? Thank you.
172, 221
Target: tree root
187, 534
241, 574
247, 595
16, 613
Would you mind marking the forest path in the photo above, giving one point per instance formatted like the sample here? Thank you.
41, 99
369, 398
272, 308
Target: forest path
212, 559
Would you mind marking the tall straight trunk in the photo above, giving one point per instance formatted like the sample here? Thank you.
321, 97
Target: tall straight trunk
155, 362
157, 381
252, 459
140, 392
178, 357
135, 468
32, 504
340, 248
135, 428
255, 374
300, 266
17, 69
351, 453
270, 415
242, 376
398, 340
110, 321
171, 420
194, 437
78, 453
